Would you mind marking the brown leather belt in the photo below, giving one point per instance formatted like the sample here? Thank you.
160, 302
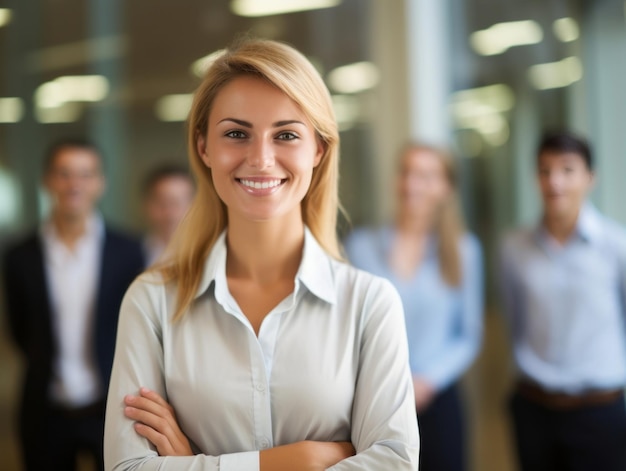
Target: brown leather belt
556, 400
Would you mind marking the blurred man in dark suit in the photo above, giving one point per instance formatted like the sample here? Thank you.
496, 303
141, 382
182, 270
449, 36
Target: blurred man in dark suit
64, 284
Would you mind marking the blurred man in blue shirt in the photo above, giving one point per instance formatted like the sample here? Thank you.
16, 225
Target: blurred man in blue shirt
564, 293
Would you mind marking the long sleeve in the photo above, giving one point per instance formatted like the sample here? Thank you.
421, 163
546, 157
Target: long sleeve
465, 341
384, 422
139, 361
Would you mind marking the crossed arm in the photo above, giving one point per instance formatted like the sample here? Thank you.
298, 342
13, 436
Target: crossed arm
155, 420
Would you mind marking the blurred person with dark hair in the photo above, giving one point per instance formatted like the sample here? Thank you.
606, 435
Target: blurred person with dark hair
437, 268
64, 285
167, 192
564, 293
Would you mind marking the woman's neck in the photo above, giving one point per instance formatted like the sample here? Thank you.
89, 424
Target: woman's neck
264, 252
418, 226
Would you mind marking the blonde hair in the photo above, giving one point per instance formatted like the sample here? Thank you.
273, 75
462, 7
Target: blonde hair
449, 224
290, 72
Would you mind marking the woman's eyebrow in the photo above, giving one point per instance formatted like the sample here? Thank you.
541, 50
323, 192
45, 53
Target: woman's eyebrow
277, 124
240, 122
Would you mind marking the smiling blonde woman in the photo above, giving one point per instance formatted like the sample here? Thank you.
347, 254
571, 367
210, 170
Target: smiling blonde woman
273, 353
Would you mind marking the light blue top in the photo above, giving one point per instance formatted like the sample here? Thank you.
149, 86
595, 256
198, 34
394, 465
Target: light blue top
444, 323
567, 304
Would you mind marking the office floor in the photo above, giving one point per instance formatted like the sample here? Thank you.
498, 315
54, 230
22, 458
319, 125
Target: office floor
485, 389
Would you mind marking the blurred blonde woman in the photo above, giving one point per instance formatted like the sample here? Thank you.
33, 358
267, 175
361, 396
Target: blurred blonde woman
273, 353
437, 268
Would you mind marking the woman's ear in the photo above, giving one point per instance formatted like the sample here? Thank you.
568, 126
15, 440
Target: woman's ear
201, 149
321, 148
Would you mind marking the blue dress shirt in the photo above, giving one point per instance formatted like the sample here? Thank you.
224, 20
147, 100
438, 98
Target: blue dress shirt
566, 304
443, 322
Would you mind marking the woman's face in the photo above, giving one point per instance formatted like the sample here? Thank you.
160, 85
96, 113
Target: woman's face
261, 150
422, 183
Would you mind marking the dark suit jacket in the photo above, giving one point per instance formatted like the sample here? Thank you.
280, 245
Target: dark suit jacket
29, 315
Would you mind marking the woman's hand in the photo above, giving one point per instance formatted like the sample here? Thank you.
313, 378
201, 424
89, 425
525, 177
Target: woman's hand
156, 421
424, 393
305, 456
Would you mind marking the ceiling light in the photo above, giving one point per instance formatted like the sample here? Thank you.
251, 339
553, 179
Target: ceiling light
5, 16
502, 36
200, 66
498, 97
173, 107
353, 78
556, 74
67, 112
71, 88
253, 8
11, 110
566, 29
58, 101
483, 110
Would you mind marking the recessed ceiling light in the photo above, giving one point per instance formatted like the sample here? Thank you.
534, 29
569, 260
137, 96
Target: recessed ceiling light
176, 107
255, 8
5, 16
484, 110
566, 29
556, 74
503, 36
11, 110
353, 78
71, 88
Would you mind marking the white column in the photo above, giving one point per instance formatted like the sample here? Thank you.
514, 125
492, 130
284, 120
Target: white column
409, 44
429, 70
390, 124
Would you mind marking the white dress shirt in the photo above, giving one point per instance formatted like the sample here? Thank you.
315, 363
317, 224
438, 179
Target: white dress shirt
72, 277
330, 363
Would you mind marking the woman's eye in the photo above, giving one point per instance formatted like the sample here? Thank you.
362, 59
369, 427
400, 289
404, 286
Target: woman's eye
235, 134
287, 136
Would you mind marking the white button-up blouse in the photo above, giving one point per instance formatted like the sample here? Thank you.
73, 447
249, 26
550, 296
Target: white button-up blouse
330, 363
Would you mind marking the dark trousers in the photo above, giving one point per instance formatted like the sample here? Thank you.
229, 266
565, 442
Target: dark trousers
442, 434
589, 438
63, 435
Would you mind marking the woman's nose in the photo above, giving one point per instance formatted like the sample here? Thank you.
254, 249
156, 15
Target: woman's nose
261, 155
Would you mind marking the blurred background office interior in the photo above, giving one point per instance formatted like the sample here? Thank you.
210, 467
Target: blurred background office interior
483, 77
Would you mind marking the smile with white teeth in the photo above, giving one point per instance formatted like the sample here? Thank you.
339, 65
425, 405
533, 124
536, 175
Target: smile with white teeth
260, 185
